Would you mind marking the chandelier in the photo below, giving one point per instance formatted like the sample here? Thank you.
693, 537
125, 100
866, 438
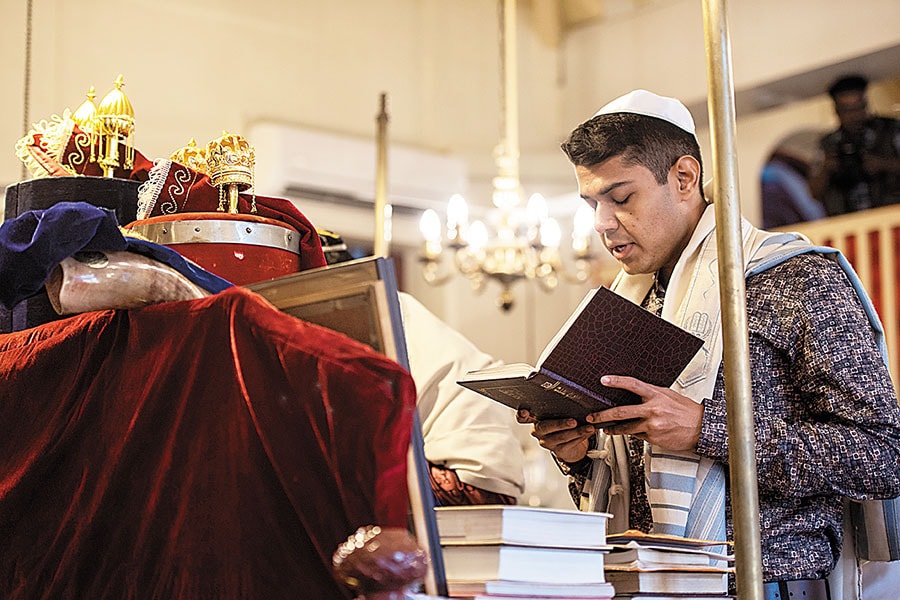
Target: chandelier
522, 243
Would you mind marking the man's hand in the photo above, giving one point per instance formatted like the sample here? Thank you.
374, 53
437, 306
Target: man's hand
563, 437
664, 417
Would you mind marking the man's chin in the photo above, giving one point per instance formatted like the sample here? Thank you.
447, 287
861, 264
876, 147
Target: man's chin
634, 269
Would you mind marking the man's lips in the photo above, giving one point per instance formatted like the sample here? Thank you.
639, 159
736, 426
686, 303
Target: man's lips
619, 251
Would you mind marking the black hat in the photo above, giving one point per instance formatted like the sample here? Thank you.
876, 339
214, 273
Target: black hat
334, 247
849, 83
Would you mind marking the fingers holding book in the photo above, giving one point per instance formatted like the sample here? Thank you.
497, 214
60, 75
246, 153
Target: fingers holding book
664, 417
565, 438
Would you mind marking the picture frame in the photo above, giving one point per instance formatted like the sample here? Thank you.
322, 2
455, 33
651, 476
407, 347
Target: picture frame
360, 299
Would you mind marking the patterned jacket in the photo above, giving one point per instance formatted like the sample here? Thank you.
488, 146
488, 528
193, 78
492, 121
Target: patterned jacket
826, 416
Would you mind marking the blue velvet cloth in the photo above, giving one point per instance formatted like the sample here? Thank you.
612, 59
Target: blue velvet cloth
33, 243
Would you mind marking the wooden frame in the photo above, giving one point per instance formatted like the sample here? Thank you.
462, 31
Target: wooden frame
360, 299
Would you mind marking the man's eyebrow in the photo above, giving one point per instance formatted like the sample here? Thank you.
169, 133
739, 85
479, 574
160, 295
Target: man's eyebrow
606, 190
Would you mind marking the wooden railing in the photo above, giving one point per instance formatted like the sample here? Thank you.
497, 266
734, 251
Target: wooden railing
871, 242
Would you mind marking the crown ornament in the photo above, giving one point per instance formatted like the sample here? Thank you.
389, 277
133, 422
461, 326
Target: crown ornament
113, 125
85, 114
230, 161
191, 156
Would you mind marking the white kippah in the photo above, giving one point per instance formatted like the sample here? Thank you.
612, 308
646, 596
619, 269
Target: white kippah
642, 102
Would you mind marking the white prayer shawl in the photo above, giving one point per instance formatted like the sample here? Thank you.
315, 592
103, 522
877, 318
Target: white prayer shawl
463, 431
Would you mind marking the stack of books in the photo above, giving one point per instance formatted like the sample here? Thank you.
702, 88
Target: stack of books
662, 567
521, 552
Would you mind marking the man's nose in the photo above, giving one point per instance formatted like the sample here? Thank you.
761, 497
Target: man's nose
605, 220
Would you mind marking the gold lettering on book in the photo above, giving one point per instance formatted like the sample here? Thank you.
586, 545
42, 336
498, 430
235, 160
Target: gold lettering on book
558, 388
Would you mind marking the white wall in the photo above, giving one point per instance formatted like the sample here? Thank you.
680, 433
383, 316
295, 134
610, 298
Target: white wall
193, 68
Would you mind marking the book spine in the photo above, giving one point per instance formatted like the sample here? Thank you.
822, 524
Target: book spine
558, 384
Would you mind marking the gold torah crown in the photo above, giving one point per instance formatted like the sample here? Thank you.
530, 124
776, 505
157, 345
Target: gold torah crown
115, 115
191, 156
113, 125
230, 160
86, 113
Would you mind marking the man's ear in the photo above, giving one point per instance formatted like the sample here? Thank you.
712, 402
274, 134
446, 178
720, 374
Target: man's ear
687, 174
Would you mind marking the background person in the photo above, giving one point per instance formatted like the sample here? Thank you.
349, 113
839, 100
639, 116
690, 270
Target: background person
784, 186
473, 453
861, 167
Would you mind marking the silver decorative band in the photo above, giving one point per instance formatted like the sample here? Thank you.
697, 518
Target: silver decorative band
221, 232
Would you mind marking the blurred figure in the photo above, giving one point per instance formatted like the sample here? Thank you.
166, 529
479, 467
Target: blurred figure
786, 198
474, 455
861, 167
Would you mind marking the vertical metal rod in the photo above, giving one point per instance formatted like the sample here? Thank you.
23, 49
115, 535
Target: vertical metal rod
26, 87
382, 207
510, 83
738, 391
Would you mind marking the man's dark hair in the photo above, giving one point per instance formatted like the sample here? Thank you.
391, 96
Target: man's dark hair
850, 83
640, 140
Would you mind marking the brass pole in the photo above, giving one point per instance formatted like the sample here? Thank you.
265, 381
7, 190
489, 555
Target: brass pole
510, 87
738, 392
382, 207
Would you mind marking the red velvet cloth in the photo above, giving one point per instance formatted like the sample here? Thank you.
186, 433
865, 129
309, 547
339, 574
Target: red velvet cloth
187, 191
211, 448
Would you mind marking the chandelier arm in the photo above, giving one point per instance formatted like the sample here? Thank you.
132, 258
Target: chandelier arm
431, 275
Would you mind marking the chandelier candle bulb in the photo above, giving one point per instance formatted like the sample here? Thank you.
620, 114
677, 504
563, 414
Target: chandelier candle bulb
430, 227
551, 234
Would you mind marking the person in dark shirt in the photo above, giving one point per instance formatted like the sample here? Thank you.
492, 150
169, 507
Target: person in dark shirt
861, 166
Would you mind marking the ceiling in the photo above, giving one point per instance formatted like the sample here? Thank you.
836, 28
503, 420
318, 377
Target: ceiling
552, 19
881, 65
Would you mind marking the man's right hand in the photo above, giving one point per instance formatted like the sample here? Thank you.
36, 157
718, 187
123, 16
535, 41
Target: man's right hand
567, 440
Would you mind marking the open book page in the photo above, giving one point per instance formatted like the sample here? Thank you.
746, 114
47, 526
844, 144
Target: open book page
511, 370
633, 542
661, 539
625, 553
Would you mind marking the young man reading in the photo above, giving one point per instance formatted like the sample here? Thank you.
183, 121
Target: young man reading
826, 417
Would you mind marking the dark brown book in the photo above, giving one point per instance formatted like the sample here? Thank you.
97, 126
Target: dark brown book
606, 335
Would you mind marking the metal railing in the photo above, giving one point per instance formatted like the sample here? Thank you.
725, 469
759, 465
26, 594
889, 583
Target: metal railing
871, 242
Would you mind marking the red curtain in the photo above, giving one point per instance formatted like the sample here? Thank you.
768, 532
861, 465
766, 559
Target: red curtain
212, 448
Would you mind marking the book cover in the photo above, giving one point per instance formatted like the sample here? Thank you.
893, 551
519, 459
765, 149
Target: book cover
521, 525
606, 335
519, 589
665, 596
639, 557
486, 562
633, 581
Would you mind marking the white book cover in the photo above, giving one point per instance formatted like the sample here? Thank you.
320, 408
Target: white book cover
501, 588
522, 563
521, 525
